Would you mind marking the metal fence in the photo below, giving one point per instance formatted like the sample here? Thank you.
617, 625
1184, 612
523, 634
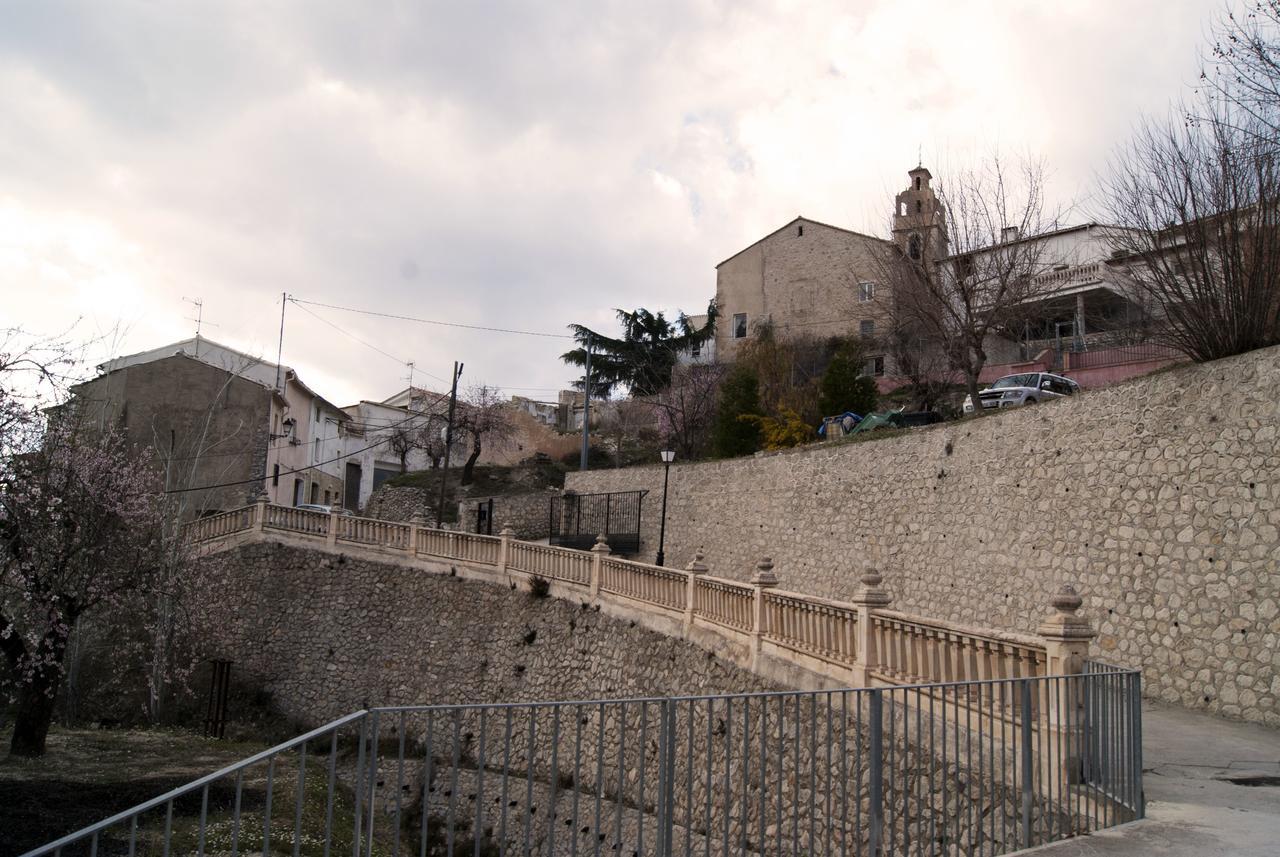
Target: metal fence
576, 520
926, 769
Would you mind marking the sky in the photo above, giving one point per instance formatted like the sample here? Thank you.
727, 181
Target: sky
517, 165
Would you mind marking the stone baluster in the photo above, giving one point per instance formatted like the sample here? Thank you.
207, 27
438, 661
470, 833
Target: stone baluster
867, 598
763, 579
1066, 638
599, 551
695, 568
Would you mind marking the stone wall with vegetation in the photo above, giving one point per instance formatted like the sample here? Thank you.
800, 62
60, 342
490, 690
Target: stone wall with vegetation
325, 634
1158, 498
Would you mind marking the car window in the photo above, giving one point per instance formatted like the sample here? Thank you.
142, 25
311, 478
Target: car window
1027, 380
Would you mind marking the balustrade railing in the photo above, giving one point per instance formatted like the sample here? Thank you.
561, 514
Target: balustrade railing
222, 524
295, 520
648, 583
724, 602
371, 531
811, 626
564, 564
880, 645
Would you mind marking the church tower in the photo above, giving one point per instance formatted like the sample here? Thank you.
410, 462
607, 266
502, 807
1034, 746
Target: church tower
919, 223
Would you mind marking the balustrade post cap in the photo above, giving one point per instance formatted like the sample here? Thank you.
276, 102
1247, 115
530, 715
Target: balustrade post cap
506, 532
1064, 624
869, 591
417, 519
602, 545
697, 566
764, 576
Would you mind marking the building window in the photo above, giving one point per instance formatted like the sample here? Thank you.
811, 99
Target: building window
919, 206
739, 325
913, 247
327, 498
866, 292
315, 449
917, 183
275, 475
800, 231
297, 492
874, 366
696, 351
315, 492
867, 327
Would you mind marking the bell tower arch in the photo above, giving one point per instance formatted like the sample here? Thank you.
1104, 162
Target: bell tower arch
919, 221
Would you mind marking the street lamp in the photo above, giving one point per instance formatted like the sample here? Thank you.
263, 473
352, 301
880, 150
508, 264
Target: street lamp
668, 455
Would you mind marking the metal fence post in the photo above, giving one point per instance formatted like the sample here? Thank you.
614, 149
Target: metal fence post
373, 784
1139, 797
876, 821
1025, 713
358, 791
666, 778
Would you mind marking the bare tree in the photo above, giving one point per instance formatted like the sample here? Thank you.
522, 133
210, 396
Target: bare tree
1197, 211
1242, 68
686, 409
483, 418
961, 290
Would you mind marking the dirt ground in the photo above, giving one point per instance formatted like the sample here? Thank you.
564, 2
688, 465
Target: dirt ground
89, 774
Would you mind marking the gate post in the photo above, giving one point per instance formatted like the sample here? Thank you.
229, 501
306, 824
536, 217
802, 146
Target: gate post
1066, 644
867, 598
599, 551
695, 568
764, 579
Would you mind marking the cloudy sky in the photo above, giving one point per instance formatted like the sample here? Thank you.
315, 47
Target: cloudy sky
516, 165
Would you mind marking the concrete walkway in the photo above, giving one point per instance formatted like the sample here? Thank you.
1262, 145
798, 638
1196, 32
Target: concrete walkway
1198, 804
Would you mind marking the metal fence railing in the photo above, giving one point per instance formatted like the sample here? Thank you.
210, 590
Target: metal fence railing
910, 770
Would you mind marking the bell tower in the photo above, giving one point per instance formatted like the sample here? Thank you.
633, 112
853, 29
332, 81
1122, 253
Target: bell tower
919, 222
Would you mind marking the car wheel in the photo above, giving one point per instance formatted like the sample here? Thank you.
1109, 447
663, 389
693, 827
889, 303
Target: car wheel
1030, 400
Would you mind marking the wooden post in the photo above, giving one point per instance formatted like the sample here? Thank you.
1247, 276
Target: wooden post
599, 551
868, 598
694, 568
1066, 644
764, 579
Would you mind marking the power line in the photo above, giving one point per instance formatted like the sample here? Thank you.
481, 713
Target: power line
434, 321
351, 335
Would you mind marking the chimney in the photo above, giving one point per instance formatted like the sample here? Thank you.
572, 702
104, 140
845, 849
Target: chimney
1010, 233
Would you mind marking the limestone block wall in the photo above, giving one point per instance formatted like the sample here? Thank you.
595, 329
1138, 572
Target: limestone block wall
528, 515
1158, 498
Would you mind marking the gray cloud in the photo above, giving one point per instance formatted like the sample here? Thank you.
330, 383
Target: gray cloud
509, 164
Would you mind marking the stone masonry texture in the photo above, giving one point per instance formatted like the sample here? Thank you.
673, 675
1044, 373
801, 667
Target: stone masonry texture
1159, 499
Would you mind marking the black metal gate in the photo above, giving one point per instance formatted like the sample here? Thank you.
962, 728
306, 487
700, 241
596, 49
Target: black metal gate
484, 517
576, 520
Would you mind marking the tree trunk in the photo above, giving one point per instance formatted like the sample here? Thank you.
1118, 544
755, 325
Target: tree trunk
470, 465
35, 713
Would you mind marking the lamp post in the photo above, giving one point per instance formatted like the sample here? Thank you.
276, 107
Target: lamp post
668, 455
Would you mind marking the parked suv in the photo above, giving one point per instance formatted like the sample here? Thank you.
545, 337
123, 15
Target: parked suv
1025, 388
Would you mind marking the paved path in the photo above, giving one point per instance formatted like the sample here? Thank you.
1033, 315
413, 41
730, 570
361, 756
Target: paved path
1193, 806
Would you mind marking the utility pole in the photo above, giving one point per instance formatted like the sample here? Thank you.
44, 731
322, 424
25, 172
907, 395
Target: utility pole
284, 298
448, 440
586, 410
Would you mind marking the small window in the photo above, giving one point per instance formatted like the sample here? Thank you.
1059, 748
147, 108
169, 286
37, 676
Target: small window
919, 206
696, 351
326, 498
917, 183
315, 492
866, 292
315, 449
874, 366
275, 475
740, 325
867, 327
913, 247
800, 231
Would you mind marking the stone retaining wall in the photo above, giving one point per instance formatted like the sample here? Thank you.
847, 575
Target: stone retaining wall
1158, 498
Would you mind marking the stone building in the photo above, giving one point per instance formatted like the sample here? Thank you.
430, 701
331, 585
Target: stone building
814, 280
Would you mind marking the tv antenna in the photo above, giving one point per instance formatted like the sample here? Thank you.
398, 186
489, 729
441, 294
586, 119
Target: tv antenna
198, 319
